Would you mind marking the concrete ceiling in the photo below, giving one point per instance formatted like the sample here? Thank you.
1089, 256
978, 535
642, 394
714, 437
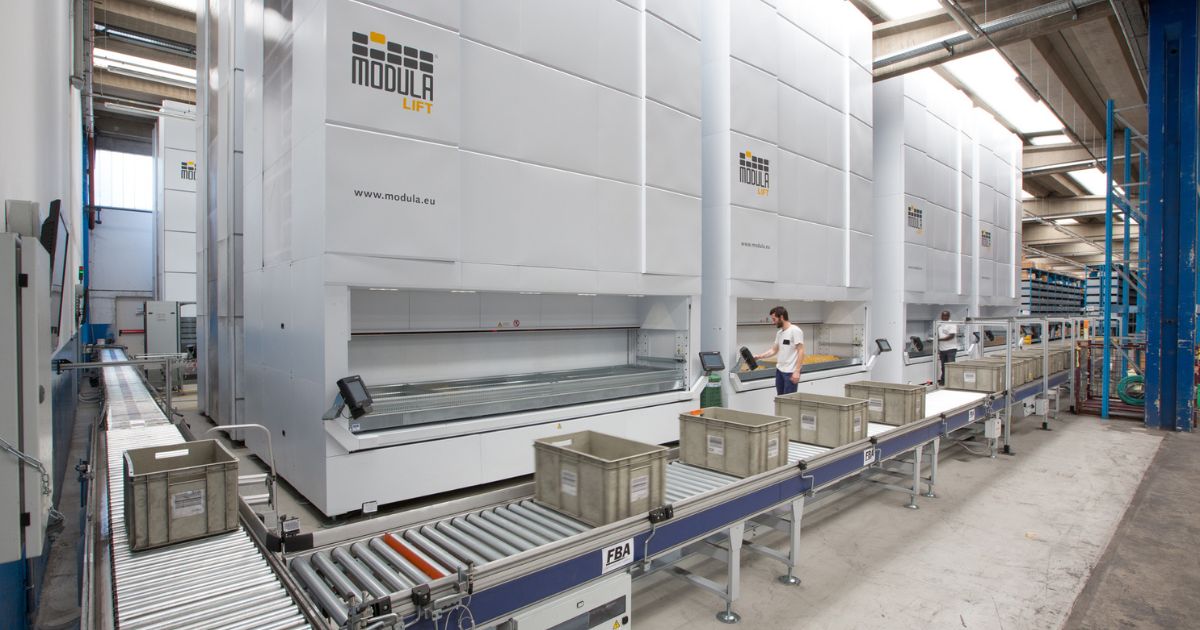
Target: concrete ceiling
1074, 61
145, 29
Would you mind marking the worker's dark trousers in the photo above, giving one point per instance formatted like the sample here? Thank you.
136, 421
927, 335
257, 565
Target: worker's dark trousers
944, 357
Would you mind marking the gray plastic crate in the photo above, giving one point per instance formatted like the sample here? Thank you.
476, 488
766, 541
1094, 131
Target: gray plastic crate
1037, 362
890, 403
598, 478
738, 443
976, 376
179, 492
829, 421
1024, 369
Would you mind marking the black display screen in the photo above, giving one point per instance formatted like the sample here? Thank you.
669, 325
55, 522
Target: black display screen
711, 361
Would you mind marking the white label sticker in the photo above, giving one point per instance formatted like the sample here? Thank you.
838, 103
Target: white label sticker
875, 404
868, 456
857, 422
187, 503
716, 444
561, 443
971, 416
968, 377
570, 481
773, 446
807, 422
616, 556
169, 454
639, 488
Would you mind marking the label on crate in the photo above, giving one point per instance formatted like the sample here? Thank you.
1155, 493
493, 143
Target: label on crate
570, 481
187, 503
808, 422
875, 404
969, 377
616, 556
773, 446
716, 444
639, 488
857, 422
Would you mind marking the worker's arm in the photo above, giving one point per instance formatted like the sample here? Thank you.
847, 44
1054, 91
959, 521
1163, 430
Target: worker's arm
799, 362
769, 353
948, 336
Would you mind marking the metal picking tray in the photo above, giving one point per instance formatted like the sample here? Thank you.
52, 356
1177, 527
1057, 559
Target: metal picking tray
412, 404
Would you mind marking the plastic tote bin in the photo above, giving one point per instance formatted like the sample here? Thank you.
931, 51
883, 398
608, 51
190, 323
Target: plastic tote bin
975, 376
179, 492
738, 443
598, 478
829, 421
890, 403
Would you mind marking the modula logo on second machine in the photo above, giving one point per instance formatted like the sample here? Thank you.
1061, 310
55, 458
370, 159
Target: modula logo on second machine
393, 67
755, 171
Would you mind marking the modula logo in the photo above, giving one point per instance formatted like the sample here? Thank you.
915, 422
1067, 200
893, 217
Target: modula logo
755, 171
187, 170
392, 67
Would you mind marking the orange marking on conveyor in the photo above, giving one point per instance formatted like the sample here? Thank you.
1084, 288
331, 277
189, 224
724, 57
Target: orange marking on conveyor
410, 555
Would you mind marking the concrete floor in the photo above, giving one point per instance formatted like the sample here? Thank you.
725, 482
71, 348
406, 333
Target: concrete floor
1008, 543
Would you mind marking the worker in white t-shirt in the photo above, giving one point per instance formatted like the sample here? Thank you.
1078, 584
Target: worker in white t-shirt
789, 345
947, 345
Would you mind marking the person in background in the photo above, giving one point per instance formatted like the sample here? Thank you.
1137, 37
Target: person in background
947, 345
789, 345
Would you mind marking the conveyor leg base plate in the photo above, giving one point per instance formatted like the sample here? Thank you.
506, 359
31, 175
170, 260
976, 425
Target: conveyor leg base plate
929, 495
728, 616
789, 579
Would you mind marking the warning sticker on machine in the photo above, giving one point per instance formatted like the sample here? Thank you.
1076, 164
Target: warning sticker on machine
968, 377
875, 404
570, 481
639, 488
773, 446
187, 503
807, 422
716, 444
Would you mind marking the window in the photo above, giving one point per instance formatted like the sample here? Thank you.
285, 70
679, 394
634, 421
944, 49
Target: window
124, 180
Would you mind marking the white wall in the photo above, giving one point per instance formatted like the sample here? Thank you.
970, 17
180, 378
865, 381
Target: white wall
40, 121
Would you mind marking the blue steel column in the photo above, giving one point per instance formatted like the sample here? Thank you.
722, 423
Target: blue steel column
1106, 279
1128, 276
1171, 216
1143, 194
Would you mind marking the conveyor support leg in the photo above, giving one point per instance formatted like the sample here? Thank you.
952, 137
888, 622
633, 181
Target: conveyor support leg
935, 447
797, 512
916, 478
732, 586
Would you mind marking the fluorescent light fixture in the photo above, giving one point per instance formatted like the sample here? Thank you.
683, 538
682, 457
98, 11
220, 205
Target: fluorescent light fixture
460, 291
1025, 194
586, 294
992, 81
637, 295
531, 293
381, 289
1067, 221
142, 68
900, 9
1042, 141
1092, 180
182, 5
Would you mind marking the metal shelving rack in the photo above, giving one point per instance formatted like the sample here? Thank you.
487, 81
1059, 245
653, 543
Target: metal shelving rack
1048, 293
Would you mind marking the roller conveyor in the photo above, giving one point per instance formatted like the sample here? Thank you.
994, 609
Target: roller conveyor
218, 582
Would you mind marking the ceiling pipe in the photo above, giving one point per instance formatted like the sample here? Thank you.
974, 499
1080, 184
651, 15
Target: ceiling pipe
1048, 10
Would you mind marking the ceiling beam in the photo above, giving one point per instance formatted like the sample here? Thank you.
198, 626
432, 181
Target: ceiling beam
151, 19
111, 84
1009, 36
1038, 234
1063, 208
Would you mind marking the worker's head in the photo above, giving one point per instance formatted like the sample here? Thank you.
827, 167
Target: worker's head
779, 316
945, 315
